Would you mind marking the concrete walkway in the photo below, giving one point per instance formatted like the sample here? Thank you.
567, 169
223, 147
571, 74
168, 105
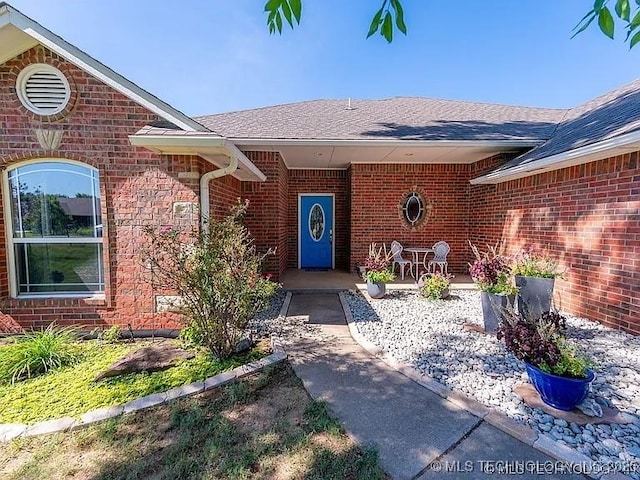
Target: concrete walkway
417, 433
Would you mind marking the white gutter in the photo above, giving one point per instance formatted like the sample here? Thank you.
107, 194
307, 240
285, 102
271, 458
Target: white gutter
295, 142
577, 156
204, 188
196, 144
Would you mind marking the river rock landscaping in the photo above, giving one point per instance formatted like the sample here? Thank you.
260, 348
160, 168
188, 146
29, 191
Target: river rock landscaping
430, 336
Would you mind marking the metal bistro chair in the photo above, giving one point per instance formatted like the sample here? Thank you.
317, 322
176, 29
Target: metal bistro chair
396, 249
440, 250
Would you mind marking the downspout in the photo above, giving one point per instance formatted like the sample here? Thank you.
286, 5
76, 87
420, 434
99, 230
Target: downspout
204, 188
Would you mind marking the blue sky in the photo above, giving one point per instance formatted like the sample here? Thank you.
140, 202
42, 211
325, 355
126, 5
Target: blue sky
210, 56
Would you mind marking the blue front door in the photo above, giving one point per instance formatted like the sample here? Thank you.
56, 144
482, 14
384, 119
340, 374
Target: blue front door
316, 231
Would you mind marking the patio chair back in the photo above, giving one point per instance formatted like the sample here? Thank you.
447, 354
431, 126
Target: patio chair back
396, 249
440, 251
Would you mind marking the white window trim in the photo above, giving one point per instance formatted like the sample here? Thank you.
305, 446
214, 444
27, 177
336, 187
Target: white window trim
14, 289
24, 76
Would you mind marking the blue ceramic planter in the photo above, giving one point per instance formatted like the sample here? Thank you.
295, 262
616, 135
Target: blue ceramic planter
560, 392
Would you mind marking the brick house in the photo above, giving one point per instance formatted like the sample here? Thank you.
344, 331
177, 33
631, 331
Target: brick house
324, 178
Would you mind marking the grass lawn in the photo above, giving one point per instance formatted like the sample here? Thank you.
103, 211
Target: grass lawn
70, 391
262, 427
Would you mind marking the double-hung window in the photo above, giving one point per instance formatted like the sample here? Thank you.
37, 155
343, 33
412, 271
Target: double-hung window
56, 229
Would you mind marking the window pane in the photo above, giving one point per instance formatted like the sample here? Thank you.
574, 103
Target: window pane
54, 199
60, 267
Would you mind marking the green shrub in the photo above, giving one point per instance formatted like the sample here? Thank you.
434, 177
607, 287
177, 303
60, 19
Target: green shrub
216, 272
38, 352
191, 335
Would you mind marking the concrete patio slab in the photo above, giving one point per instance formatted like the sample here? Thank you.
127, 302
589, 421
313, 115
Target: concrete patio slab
302, 281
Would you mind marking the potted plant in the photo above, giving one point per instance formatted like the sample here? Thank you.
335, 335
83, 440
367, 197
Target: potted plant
435, 286
535, 273
490, 272
378, 270
559, 372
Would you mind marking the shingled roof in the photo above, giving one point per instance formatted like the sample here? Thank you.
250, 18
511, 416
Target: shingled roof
610, 115
399, 118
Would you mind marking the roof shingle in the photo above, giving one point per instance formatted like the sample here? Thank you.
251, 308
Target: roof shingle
402, 118
612, 114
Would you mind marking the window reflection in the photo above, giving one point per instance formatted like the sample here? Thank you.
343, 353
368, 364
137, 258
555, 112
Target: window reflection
57, 228
52, 199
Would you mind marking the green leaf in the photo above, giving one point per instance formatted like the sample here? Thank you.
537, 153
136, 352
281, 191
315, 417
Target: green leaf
597, 5
375, 23
397, 6
635, 39
279, 22
272, 5
584, 24
296, 9
635, 22
272, 15
623, 10
387, 28
605, 22
286, 10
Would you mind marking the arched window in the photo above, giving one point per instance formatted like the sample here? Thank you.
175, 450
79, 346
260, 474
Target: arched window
56, 228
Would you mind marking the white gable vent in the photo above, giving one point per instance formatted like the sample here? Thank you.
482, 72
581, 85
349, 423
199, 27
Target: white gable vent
43, 89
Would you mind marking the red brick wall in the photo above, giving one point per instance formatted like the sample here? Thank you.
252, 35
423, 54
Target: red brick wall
137, 188
267, 213
587, 217
378, 190
223, 192
320, 181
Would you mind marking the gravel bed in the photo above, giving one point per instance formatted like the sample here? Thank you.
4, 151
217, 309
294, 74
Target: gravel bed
429, 336
264, 322
268, 322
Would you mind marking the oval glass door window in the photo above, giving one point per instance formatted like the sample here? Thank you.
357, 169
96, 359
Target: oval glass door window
413, 208
316, 222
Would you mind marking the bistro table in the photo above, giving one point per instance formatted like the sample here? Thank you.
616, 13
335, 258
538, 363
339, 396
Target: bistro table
415, 253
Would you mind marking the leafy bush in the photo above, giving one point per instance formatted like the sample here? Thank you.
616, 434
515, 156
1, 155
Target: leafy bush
216, 272
542, 343
378, 265
38, 352
434, 284
191, 335
533, 263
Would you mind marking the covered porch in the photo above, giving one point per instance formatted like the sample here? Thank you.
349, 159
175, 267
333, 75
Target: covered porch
302, 280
